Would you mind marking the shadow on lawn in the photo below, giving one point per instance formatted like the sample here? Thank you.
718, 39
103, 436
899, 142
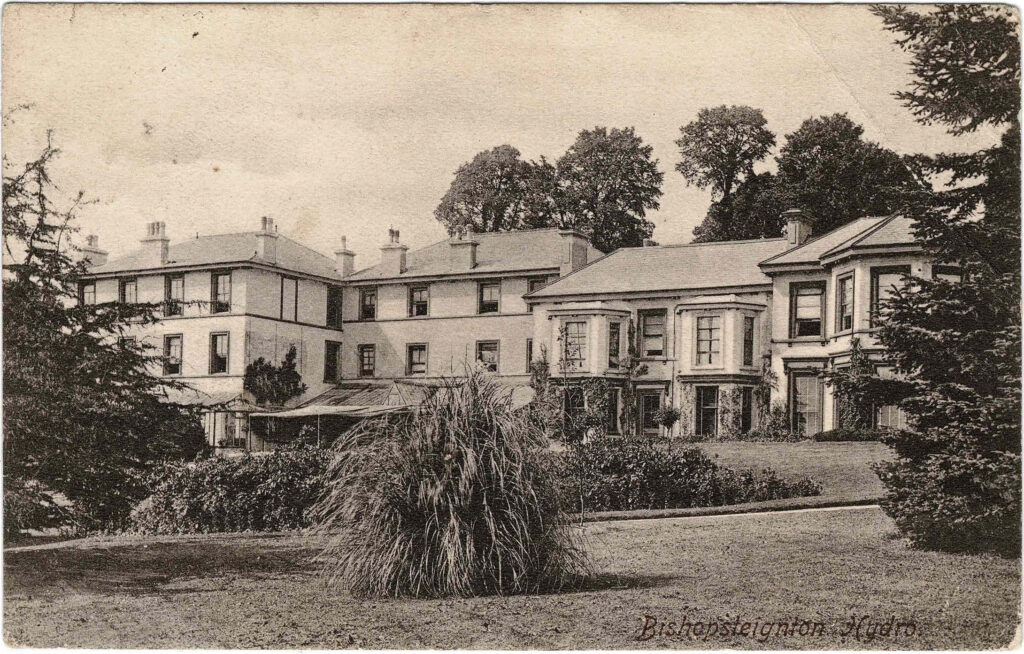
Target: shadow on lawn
141, 568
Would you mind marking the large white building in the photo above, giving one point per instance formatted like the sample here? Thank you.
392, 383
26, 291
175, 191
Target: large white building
708, 318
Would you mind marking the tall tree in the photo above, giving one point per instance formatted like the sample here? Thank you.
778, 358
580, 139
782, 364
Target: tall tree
490, 193
754, 210
608, 181
956, 482
827, 168
718, 150
84, 418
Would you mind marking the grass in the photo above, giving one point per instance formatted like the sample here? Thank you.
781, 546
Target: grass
843, 469
252, 591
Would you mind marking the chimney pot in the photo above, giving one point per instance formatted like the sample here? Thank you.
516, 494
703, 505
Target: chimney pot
392, 254
155, 243
92, 252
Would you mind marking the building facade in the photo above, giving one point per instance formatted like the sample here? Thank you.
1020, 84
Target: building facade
712, 324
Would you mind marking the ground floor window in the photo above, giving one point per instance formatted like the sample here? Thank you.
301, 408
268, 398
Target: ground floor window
487, 355
612, 421
650, 402
746, 409
805, 399
707, 410
416, 359
890, 416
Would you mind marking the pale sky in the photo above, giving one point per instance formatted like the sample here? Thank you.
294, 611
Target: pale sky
344, 120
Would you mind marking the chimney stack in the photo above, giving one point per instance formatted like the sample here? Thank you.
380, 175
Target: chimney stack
344, 259
266, 240
91, 251
392, 255
155, 244
650, 243
574, 255
798, 226
464, 250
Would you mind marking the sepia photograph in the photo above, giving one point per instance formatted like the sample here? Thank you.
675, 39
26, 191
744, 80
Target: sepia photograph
511, 326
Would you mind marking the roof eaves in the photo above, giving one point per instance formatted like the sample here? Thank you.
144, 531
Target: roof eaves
859, 236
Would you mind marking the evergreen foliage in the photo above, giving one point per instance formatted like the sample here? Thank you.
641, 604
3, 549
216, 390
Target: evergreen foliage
274, 385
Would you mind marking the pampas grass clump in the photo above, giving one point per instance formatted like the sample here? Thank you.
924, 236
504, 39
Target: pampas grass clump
450, 500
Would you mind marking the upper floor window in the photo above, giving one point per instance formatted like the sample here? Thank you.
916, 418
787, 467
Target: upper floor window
332, 362
289, 299
487, 355
806, 309
748, 340
172, 354
416, 362
334, 295
87, 293
488, 297
367, 304
575, 346
367, 360
174, 294
218, 353
614, 343
886, 281
844, 303
709, 340
948, 273
220, 292
128, 291
126, 342
535, 284
652, 333
419, 301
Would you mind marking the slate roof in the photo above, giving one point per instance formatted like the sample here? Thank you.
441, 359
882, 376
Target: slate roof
501, 252
222, 249
669, 268
862, 233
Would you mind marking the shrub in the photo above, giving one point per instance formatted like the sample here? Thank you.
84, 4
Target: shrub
264, 492
617, 475
842, 434
451, 500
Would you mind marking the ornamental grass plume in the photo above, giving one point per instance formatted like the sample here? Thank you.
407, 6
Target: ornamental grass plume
452, 499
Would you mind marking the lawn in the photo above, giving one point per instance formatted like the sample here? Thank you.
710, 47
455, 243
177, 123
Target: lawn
843, 469
263, 591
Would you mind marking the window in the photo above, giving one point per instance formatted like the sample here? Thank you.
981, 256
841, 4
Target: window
948, 273
220, 292
529, 355
707, 410
367, 304
174, 294
612, 418
535, 285
575, 346
417, 359
487, 355
419, 300
652, 333
890, 417
709, 340
614, 343
748, 340
805, 396
650, 402
488, 297
806, 307
128, 291
87, 293
332, 361
884, 284
575, 406
289, 299
218, 353
746, 409
334, 304
844, 303
126, 342
172, 354
367, 360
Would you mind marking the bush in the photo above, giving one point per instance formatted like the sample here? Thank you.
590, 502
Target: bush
264, 492
617, 475
449, 501
841, 434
